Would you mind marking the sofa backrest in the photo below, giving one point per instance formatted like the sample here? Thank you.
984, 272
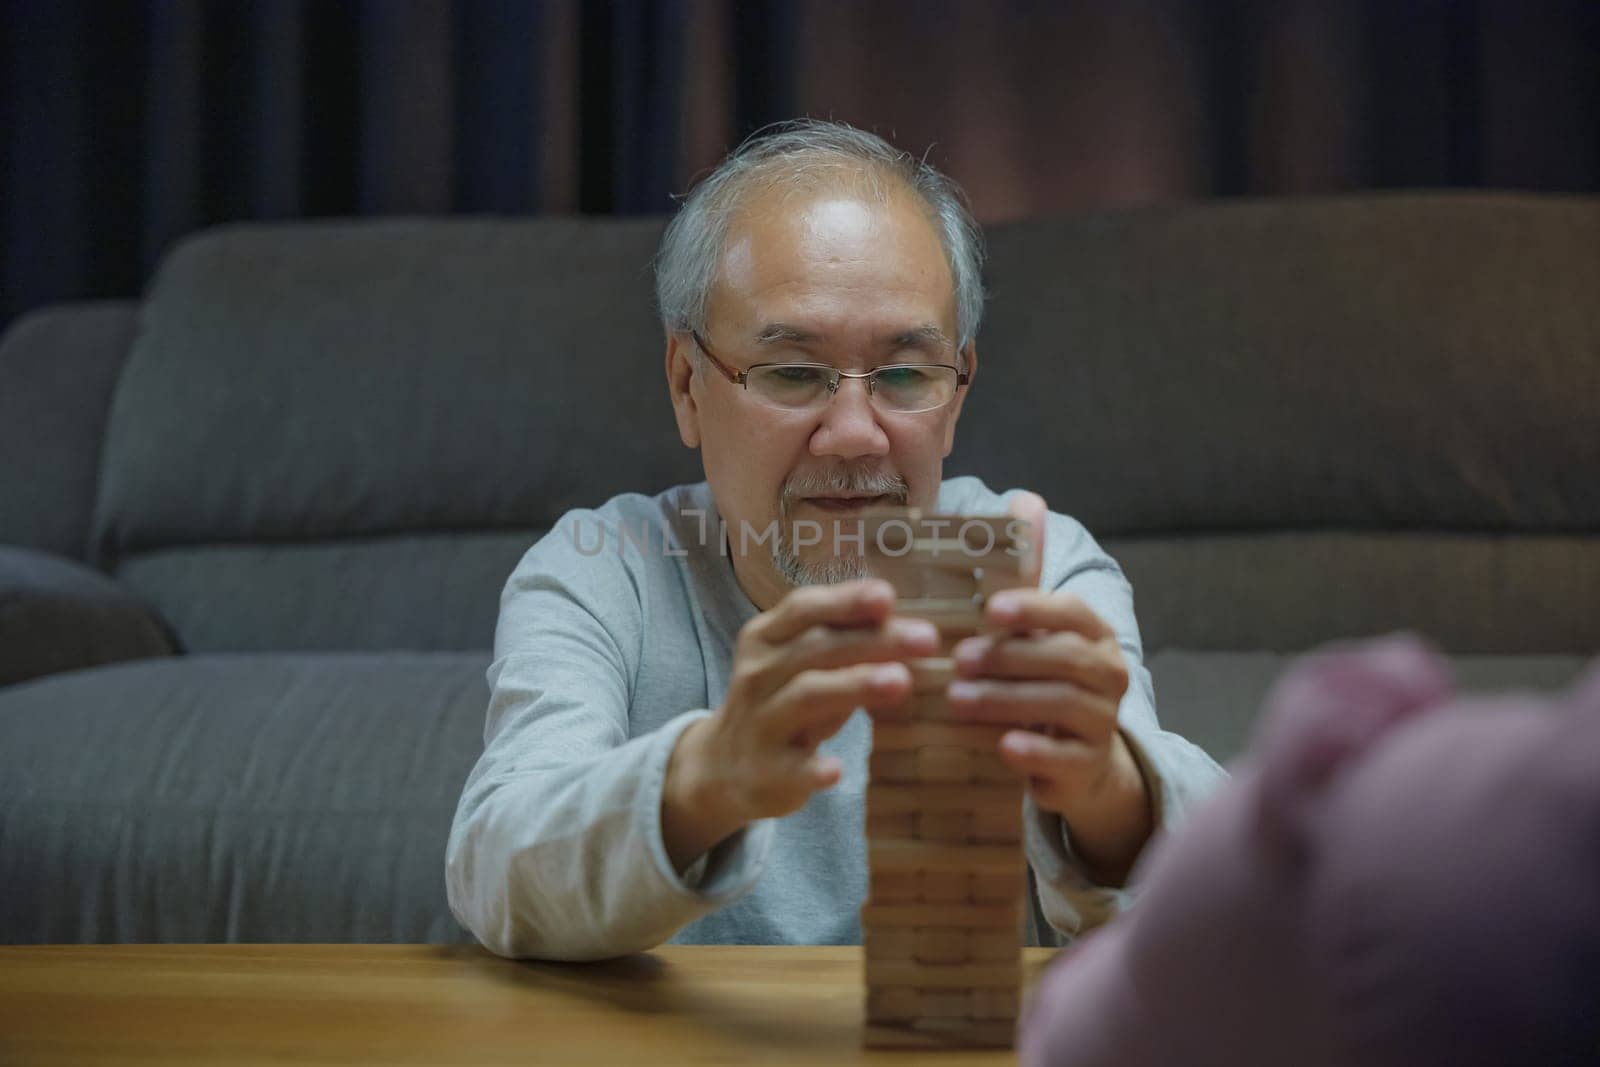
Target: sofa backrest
58, 368
1301, 420
344, 435
1291, 421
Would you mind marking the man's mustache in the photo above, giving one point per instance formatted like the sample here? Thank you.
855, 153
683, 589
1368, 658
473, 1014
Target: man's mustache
845, 480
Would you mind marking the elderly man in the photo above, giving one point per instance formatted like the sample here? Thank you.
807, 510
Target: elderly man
674, 748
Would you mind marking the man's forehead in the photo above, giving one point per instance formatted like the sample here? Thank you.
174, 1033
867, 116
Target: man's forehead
922, 333
841, 214
783, 250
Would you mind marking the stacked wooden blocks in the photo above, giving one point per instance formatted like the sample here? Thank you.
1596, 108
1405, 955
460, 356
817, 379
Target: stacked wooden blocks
941, 928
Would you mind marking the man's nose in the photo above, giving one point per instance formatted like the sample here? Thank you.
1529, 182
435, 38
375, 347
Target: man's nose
849, 426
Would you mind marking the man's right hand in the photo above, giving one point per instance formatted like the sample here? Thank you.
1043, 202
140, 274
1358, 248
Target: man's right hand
799, 671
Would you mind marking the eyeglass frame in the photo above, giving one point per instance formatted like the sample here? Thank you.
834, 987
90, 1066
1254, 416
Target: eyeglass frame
741, 378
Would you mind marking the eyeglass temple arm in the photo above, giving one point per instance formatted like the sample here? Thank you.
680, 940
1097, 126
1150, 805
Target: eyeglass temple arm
736, 377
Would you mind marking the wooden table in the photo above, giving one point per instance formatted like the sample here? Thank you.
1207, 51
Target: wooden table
409, 1004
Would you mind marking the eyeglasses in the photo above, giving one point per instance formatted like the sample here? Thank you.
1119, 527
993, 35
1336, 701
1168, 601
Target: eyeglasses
903, 388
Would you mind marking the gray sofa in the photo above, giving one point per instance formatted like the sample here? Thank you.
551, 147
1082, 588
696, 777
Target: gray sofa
255, 525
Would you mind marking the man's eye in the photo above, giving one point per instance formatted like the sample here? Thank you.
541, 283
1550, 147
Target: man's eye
798, 375
897, 377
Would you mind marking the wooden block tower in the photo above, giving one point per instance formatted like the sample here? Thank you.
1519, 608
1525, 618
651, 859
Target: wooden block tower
941, 929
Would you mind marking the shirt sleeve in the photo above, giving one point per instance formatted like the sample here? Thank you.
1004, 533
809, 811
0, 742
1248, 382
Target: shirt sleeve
1178, 773
556, 849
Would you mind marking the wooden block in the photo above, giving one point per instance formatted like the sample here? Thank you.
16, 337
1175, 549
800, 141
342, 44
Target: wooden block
993, 946
995, 887
932, 674
891, 1003
994, 1003
1004, 916
961, 557
891, 530
945, 580
940, 944
890, 854
943, 976
894, 767
948, 615
885, 887
954, 827
952, 551
990, 768
965, 609
904, 825
888, 532
928, 1035
983, 533
944, 887
944, 763
893, 799
944, 1003
992, 581
926, 707
889, 942
907, 540
967, 1032
892, 736
953, 630
914, 580
993, 824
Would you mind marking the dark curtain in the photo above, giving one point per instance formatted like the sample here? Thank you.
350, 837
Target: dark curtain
125, 125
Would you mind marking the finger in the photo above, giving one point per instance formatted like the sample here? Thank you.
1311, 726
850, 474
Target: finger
813, 705
764, 671
825, 647
866, 602
823, 772
1030, 508
1094, 665
1030, 751
1036, 609
786, 785
1053, 768
1062, 706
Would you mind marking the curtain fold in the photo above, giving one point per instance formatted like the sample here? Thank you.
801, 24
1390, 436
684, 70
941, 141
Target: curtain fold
126, 124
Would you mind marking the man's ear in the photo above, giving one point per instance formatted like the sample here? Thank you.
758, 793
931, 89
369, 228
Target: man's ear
680, 379
969, 362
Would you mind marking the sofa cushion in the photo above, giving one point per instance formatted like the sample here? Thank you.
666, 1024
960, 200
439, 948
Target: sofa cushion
59, 367
236, 798
434, 591
292, 383
1289, 590
58, 615
1212, 698
1415, 360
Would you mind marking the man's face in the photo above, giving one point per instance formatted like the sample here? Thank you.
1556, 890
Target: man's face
827, 277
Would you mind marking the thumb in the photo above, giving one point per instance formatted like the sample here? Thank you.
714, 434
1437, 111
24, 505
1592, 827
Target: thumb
824, 771
1030, 508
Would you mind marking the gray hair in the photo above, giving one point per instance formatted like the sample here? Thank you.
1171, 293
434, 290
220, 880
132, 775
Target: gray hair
799, 152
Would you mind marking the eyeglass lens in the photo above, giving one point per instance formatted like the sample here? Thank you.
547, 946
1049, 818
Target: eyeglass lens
896, 388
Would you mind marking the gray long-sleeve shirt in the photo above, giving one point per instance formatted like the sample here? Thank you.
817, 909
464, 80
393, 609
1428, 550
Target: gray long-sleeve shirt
616, 632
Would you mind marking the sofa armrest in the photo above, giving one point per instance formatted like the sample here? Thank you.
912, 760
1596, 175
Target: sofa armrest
59, 367
60, 615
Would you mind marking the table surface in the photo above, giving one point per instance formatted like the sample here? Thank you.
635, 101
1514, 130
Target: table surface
411, 1004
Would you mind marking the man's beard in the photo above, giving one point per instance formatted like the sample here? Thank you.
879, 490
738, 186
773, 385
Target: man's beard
834, 568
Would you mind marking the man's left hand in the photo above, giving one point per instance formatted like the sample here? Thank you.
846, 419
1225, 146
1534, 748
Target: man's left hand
1053, 668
